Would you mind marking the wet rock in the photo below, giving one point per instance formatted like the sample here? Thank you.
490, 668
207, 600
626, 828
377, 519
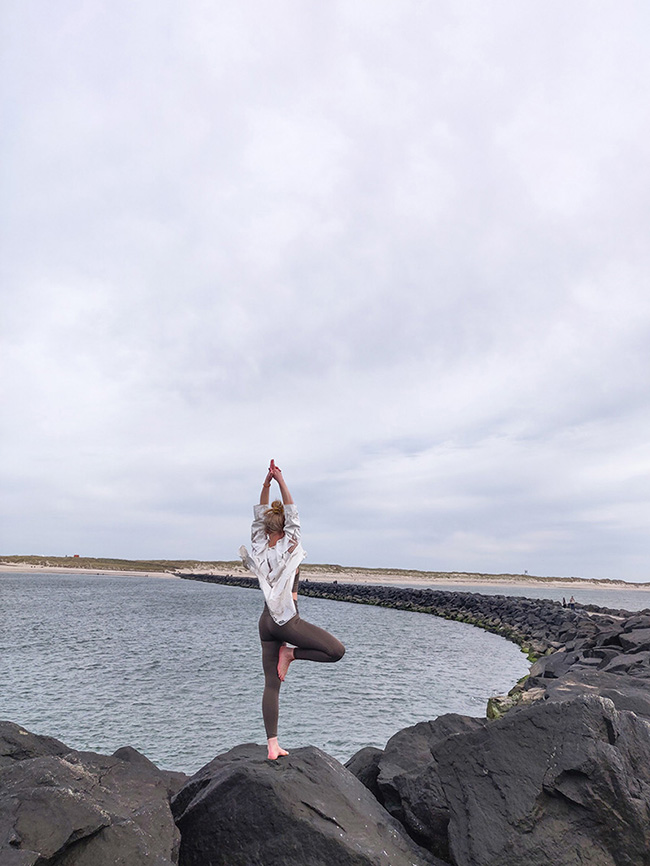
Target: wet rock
498, 705
59, 806
243, 810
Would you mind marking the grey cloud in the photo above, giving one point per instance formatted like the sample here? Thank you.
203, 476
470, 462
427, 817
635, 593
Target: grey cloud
401, 249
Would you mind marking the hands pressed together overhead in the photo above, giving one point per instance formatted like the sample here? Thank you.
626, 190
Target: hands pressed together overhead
274, 472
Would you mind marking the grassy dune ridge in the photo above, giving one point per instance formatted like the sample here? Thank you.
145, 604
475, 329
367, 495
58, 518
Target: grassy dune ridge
307, 569
101, 564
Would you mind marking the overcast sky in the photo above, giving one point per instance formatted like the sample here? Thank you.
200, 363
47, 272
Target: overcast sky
400, 247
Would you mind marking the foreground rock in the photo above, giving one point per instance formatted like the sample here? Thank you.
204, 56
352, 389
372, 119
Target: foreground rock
558, 775
407, 787
302, 810
562, 783
59, 806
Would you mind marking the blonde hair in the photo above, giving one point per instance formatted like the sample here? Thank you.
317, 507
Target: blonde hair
274, 517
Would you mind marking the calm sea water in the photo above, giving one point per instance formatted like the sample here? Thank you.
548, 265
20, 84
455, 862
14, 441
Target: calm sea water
173, 668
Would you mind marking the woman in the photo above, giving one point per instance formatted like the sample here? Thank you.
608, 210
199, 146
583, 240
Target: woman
275, 560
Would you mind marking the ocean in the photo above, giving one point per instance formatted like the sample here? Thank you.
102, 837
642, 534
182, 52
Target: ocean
173, 667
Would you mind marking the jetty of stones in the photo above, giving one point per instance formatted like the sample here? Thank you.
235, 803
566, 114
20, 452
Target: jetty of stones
557, 772
536, 624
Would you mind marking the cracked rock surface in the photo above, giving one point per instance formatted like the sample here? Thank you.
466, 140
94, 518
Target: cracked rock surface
244, 810
558, 782
61, 807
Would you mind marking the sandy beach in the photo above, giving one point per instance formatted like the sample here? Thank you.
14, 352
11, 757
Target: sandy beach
351, 575
26, 568
436, 579
470, 580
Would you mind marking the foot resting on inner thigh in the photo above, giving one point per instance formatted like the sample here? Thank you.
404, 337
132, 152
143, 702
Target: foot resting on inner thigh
284, 660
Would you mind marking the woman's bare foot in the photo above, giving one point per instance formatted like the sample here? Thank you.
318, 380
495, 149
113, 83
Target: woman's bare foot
275, 750
284, 660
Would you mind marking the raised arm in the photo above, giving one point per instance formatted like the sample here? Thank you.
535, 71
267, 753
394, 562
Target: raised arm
264, 494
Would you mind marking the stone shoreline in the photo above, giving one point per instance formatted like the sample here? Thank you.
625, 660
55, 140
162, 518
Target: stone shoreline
533, 623
558, 772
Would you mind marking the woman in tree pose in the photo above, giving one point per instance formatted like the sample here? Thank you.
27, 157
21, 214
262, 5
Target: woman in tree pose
275, 560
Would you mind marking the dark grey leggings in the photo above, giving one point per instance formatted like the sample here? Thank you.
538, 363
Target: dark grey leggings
311, 643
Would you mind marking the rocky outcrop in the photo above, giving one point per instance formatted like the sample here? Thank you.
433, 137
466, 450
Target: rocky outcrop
61, 807
606, 654
243, 810
566, 783
560, 775
557, 774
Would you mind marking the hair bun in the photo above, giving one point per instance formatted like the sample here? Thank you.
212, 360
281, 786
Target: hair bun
277, 507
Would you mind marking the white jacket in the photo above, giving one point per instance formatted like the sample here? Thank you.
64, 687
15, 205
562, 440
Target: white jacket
275, 567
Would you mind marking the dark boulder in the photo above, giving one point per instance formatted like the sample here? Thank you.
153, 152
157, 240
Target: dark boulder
635, 641
625, 692
555, 783
306, 808
609, 636
606, 654
632, 664
364, 764
59, 806
407, 781
563, 783
173, 780
637, 620
410, 748
554, 665
17, 744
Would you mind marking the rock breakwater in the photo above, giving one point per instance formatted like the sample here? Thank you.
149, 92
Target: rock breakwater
537, 625
558, 771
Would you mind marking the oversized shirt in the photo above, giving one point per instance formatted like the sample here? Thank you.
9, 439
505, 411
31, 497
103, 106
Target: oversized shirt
275, 567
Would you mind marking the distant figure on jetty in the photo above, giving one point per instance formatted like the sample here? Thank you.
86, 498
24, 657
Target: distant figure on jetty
275, 561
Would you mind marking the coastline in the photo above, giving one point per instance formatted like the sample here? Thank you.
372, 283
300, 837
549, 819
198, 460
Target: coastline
396, 579
354, 575
582, 690
26, 568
